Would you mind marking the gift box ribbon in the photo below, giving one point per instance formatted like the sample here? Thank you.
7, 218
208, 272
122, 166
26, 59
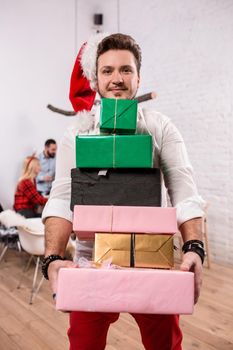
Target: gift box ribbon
135, 250
114, 152
115, 116
132, 250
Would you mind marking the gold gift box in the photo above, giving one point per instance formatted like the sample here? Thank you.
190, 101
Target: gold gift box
135, 250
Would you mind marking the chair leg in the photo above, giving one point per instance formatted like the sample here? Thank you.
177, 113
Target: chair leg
3, 252
34, 280
19, 246
37, 290
24, 271
205, 236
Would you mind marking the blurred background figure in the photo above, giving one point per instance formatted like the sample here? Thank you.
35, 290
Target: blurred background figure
47, 162
28, 201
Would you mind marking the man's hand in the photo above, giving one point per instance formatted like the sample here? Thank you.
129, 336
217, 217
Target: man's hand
53, 270
192, 230
48, 178
192, 262
57, 234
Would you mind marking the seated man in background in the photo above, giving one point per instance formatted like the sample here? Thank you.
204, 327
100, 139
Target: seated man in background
27, 198
47, 160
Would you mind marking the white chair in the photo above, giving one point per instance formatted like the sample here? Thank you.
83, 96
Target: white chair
32, 240
8, 238
9, 219
31, 237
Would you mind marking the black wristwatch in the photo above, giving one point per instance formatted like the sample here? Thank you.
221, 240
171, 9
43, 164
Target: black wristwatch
45, 263
195, 246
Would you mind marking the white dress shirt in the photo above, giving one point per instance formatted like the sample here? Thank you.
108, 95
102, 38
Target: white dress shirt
169, 154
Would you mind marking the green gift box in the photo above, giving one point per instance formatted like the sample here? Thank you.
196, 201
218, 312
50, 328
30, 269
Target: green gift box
118, 116
114, 151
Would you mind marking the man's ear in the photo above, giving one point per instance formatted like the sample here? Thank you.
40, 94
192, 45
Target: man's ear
95, 86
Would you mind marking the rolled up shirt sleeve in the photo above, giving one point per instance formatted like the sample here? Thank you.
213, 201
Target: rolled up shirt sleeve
171, 157
59, 200
178, 175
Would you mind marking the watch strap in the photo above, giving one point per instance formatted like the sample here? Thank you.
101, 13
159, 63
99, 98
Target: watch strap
46, 261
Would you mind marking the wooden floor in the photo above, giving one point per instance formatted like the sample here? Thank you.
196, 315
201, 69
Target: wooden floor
40, 327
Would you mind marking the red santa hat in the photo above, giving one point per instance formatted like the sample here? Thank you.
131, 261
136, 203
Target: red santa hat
84, 79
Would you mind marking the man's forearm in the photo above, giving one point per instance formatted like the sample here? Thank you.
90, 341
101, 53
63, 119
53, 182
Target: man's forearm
57, 233
191, 229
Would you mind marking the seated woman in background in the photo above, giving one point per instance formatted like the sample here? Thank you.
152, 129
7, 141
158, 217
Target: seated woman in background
27, 199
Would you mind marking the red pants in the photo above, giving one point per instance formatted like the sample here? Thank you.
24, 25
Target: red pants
88, 330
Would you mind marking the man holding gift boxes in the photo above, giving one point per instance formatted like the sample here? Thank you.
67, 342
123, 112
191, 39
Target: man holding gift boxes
111, 66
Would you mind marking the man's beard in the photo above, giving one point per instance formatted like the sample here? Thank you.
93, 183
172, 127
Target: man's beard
51, 155
131, 98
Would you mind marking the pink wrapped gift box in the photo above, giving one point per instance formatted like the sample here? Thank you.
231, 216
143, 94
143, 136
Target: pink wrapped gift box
89, 219
125, 290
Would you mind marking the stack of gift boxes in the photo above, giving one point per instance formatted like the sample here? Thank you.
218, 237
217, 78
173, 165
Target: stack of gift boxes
116, 198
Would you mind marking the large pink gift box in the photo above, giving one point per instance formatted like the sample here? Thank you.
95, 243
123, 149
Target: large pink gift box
125, 290
89, 219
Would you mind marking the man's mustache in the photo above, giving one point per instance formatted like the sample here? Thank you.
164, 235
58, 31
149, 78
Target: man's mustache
120, 87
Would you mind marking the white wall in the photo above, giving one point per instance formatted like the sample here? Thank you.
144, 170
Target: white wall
187, 58
37, 55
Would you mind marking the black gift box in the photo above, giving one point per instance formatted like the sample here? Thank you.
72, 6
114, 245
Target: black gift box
131, 187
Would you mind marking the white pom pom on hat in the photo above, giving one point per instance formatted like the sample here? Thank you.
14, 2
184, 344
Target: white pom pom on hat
88, 58
83, 79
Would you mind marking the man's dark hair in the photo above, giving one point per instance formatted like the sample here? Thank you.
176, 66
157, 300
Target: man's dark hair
120, 41
49, 142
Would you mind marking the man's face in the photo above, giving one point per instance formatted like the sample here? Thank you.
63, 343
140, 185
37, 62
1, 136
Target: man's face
51, 150
117, 75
